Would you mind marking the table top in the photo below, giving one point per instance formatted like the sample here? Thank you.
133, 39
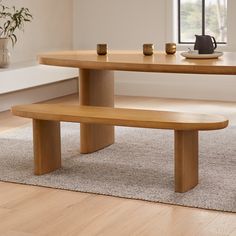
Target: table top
136, 61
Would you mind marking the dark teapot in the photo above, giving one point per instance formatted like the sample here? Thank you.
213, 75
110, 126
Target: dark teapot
205, 44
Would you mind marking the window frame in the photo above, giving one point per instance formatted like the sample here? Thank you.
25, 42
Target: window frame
203, 23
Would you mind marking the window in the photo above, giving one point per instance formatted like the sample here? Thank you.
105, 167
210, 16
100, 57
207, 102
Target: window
203, 17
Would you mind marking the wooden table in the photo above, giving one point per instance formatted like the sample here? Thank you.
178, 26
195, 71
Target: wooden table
96, 79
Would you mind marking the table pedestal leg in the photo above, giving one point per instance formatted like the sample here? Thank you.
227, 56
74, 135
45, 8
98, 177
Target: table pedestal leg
96, 88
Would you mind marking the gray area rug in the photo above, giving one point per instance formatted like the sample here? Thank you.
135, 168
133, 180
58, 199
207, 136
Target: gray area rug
139, 165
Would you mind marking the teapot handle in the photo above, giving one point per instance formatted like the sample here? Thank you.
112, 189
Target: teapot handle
214, 40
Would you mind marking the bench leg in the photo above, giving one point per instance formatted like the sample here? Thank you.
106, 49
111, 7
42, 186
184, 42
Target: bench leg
186, 160
47, 146
96, 88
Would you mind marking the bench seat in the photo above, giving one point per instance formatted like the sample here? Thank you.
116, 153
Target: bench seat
47, 143
122, 117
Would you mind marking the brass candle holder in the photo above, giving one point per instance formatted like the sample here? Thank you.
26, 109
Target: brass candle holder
170, 48
102, 49
148, 49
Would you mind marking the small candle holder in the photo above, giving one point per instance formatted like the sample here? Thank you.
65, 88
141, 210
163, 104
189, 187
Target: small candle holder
102, 49
170, 48
148, 49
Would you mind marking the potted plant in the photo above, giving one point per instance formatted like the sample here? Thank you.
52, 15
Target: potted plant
11, 20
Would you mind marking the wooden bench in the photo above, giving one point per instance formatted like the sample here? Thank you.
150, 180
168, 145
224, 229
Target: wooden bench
47, 141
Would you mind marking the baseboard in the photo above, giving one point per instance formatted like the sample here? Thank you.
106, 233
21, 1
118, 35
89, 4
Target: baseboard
181, 86
38, 94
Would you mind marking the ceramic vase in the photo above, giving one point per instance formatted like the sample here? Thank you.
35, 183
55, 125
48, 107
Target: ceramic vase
4, 53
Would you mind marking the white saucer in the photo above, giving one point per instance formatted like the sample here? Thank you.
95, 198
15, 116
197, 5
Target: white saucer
195, 55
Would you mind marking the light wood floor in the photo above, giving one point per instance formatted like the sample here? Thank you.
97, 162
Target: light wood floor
27, 210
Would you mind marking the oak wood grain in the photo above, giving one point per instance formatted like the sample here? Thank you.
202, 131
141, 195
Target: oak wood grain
122, 116
186, 142
136, 61
186, 160
47, 146
96, 88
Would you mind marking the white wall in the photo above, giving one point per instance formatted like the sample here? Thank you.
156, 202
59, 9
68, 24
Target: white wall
123, 24
127, 24
51, 28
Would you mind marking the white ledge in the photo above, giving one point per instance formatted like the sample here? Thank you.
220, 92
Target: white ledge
18, 78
